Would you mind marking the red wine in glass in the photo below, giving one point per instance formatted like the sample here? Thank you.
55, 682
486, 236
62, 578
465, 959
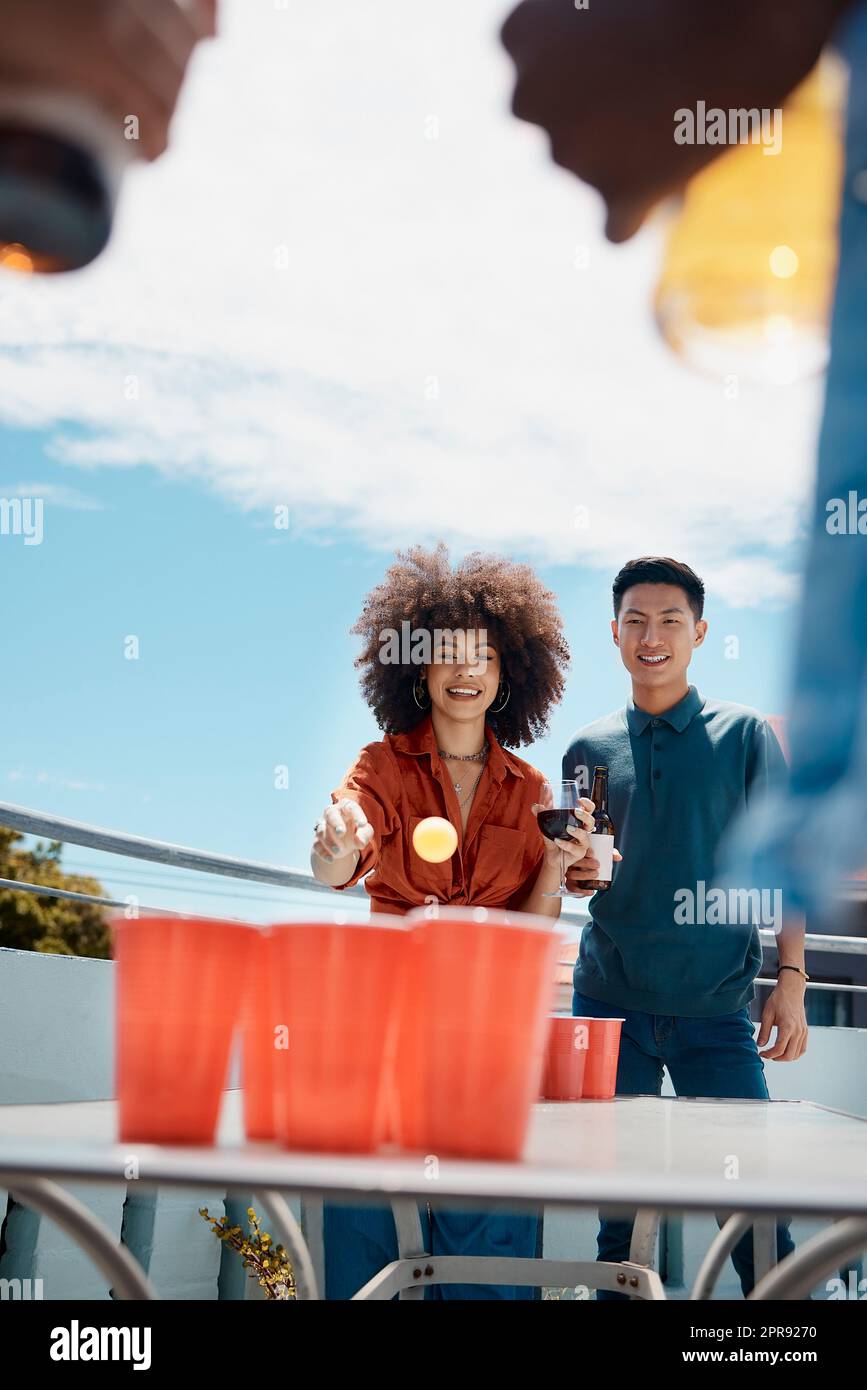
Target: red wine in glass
554, 824
555, 821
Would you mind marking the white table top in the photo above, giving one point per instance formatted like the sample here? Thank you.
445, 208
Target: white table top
736, 1155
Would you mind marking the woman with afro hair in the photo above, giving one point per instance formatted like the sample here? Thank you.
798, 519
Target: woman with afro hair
459, 665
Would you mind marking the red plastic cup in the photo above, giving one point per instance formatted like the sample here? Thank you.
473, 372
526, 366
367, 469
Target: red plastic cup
406, 1113
180, 982
259, 1045
337, 985
473, 1030
568, 1043
600, 1072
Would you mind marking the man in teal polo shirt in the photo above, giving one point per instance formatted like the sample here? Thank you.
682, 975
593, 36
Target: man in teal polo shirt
665, 949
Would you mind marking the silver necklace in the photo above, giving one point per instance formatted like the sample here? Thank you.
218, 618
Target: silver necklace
480, 757
457, 788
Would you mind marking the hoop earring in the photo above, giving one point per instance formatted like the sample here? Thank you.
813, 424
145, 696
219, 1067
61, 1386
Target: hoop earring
419, 688
498, 709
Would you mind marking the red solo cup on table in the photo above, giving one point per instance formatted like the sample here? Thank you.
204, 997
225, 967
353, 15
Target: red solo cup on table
336, 987
406, 1111
600, 1071
568, 1043
179, 986
478, 1022
260, 1045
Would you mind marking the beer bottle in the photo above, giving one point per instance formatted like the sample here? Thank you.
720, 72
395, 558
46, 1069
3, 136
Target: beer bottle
602, 837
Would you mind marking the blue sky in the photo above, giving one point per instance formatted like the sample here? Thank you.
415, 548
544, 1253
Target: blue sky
357, 288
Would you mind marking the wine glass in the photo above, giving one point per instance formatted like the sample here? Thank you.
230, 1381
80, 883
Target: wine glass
554, 820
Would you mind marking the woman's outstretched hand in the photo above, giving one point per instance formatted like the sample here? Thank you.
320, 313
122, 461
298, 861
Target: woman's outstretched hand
342, 830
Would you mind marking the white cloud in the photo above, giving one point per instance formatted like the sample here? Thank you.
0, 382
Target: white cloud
56, 495
52, 779
416, 268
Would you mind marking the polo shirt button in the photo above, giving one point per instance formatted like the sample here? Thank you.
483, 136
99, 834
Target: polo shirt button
655, 723
657, 773
859, 186
657, 747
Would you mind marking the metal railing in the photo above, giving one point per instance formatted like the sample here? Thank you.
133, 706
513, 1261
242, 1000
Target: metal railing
75, 832
204, 861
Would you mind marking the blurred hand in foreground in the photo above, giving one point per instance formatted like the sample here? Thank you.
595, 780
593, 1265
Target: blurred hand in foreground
127, 56
605, 82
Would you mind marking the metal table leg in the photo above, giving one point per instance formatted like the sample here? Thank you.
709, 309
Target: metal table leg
796, 1275
409, 1275
416, 1274
410, 1243
283, 1221
764, 1246
313, 1231
125, 1276
718, 1252
645, 1229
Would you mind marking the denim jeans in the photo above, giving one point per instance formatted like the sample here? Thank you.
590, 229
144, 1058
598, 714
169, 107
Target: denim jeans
359, 1241
705, 1057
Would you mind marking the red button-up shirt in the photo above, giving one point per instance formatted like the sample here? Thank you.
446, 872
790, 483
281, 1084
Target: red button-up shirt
400, 781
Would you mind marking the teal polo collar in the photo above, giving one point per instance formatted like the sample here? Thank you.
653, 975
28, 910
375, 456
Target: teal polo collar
678, 716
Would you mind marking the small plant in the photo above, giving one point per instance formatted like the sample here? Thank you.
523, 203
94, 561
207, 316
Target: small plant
267, 1263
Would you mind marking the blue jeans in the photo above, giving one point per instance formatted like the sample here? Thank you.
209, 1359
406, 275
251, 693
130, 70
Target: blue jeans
705, 1057
359, 1241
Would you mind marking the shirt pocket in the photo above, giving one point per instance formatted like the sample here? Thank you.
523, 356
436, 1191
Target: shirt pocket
424, 877
502, 863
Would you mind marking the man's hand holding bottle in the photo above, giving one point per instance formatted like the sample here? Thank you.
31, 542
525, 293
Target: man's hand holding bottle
586, 871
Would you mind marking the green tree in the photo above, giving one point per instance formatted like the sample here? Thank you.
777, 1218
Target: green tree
31, 922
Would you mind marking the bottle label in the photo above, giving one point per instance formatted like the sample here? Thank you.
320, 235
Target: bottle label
602, 847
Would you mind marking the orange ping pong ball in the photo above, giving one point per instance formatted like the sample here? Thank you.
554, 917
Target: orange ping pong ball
435, 839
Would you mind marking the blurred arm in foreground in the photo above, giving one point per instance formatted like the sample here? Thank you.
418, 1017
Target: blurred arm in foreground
605, 84
127, 56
